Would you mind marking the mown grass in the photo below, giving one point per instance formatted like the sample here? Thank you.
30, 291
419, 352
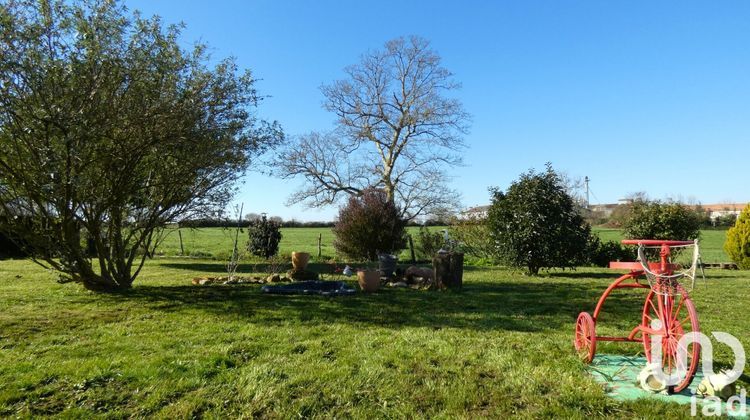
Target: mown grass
217, 243
168, 349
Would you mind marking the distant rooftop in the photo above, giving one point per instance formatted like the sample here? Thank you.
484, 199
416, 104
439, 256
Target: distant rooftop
724, 206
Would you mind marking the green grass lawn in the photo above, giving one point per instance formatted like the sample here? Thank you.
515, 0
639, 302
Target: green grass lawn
217, 243
168, 349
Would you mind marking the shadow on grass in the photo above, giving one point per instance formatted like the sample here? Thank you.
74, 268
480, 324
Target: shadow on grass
573, 274
526, 306
247, 268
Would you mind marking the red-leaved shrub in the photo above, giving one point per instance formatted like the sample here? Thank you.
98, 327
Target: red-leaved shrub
368, 225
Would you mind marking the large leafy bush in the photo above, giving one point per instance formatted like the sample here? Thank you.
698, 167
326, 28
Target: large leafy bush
656, 220
369, 224
110, 127
535, 223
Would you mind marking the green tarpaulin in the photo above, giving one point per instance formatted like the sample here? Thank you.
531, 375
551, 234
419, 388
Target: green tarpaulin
618, 375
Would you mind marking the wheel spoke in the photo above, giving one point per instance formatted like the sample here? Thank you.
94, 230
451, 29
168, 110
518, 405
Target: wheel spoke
656, 311
677, 312
669, 361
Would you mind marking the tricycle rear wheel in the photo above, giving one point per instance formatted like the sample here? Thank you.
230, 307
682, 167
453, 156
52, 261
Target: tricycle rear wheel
677, 316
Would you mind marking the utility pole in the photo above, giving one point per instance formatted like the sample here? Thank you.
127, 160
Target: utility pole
586, 180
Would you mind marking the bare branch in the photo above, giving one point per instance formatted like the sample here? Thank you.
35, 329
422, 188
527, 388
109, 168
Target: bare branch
396, 126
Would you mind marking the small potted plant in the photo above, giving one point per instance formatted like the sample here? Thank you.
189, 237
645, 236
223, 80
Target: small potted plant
368, 279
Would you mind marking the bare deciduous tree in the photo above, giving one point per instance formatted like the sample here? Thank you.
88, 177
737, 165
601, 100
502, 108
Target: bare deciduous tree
396, 131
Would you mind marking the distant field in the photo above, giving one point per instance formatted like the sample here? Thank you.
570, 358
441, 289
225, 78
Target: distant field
217, 242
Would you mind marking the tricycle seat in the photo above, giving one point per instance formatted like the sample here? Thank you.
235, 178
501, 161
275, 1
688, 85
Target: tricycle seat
634, 265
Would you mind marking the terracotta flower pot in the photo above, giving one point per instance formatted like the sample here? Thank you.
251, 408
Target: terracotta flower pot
300, 260
369, 281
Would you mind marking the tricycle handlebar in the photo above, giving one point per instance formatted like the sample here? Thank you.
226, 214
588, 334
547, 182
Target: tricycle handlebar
655, 242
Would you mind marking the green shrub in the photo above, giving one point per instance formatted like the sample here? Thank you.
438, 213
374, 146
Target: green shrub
726, 220
601, 253
369, 224
429, 243
535, 224
657, 220
737, 244
264, 237
473, 237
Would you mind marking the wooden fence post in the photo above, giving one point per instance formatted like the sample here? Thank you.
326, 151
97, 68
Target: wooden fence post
320, 245
411, 247
182, 248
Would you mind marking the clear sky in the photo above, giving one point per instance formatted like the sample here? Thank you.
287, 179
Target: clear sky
639, 96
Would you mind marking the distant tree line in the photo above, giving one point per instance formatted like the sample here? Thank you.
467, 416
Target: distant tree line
291, 223
232, 223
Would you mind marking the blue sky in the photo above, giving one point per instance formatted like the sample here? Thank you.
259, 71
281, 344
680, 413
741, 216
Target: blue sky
639, 96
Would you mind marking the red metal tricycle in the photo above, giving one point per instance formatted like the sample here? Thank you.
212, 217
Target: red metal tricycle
667, 301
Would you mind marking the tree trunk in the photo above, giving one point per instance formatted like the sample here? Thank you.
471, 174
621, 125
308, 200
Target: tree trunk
533, 270
106, 280
97, 283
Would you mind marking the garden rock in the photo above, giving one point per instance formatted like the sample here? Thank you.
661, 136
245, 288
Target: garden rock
205, 281
418, 274
273, 278
302, 275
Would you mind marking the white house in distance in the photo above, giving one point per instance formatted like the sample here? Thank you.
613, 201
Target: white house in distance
723, 209
477, 212
605, 210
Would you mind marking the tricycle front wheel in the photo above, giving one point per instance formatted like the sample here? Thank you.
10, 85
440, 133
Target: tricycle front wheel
585, 338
